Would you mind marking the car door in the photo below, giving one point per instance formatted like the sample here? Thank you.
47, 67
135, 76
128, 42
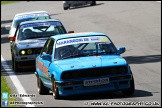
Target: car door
45, 61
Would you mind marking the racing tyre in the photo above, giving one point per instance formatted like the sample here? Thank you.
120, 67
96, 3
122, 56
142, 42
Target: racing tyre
65, 8
131, 90
42, 90
55, 91
93, 3
12, 63
15, 66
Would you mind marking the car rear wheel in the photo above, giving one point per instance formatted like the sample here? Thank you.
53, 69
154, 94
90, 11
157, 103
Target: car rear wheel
130, 90
42, 90
55, 91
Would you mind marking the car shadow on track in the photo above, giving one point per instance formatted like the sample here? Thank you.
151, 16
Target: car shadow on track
4, 31
6, 21
16, 73
143, 59
55, 14
9, 70
106, 95
4, 40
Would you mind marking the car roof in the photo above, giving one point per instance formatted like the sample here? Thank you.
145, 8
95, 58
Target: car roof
79, 34
31, 12
35, 21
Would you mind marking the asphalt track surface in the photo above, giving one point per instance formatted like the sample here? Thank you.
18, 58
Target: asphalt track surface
133, 24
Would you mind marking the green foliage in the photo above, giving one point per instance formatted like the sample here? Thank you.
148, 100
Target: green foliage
7, 2
6, 88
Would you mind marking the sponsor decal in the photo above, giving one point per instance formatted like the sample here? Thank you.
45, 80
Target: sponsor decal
31, 15
42, 67
71, 41
41, 24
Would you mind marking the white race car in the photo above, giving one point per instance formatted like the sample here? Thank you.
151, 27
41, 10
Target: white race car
26, 16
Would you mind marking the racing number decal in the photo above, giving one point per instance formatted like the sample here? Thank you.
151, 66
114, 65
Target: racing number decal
45, 70
42, 67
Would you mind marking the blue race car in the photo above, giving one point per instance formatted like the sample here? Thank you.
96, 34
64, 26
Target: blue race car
79, 63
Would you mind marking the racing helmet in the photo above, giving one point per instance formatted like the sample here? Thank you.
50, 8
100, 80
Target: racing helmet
64, 52
28, 33
105, 47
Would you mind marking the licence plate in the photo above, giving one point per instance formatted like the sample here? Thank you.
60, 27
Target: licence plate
96, 82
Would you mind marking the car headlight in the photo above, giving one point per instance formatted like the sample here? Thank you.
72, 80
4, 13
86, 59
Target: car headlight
22, 52
29, 51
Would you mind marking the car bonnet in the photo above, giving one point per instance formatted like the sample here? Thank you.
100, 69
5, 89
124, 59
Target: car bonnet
31, 43
90, 62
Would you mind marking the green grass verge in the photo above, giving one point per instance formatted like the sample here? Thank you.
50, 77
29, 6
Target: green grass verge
6, 88
8, 2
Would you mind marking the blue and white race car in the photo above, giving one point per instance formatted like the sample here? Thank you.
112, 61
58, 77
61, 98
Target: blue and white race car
28, 40
80, 63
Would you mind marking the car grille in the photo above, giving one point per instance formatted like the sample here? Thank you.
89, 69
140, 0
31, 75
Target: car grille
31, 52
94, 72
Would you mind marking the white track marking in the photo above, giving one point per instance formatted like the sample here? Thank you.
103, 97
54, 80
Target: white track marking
16, 82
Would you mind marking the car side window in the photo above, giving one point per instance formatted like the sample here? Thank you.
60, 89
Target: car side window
48, 47
17, 33
44, 50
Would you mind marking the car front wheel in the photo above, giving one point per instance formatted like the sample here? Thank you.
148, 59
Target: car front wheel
15, 66
55, 89
130, 90
12, 63
42, 90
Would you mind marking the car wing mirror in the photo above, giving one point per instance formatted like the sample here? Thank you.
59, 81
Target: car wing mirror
70, 31
46, 57
11, 38
121, 50
8, 27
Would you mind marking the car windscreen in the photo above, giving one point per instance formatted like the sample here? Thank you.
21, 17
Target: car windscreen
30, 17
40, 30
84, 46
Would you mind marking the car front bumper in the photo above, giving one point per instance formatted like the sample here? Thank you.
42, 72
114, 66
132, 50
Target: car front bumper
25, 58
26, 61
115, 84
